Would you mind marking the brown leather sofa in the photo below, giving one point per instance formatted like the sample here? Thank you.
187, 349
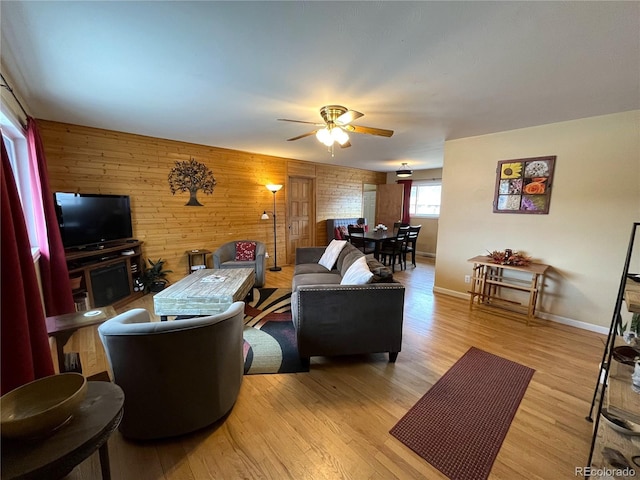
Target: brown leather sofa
333, 319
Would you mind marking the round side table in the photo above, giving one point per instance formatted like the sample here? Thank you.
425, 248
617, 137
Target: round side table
56, 455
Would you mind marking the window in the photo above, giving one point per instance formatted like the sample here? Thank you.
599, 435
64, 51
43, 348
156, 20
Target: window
425, 199
15, 141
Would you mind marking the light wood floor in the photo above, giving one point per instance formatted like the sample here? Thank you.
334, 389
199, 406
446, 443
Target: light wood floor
333, 422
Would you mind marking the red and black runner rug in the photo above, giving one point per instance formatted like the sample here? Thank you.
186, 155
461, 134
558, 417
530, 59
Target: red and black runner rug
459, 425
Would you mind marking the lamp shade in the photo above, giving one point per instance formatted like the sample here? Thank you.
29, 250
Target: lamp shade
339, 135
264, 216
273, 188
404, 171
324, 136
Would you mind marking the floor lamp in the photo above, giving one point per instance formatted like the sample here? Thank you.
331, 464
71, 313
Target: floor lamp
273, 189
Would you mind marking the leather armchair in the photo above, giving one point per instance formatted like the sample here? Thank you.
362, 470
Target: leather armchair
225, 257
177, 376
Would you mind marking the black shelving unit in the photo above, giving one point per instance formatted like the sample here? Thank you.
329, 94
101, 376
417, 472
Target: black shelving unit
599, 393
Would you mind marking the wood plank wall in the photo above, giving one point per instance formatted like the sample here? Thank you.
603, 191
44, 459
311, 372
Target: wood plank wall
90, 160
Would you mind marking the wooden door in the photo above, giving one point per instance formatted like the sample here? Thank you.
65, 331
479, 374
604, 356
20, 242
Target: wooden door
388, 204
301, 215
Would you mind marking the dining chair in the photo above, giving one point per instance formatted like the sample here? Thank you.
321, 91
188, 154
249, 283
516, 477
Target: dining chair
412, 239
397, 225
396, 249
356, 238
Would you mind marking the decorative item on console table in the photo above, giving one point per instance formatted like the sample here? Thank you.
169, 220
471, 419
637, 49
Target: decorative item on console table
154, 276
509, 257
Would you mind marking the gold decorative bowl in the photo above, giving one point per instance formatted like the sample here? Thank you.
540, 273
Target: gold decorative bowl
40, 407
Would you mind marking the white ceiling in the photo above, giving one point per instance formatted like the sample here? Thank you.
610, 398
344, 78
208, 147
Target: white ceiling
221, 73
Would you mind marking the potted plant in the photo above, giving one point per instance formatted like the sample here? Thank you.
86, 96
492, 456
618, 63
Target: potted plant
154, 276
632, 336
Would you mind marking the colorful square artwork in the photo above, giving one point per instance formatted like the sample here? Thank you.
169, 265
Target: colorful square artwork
524, 185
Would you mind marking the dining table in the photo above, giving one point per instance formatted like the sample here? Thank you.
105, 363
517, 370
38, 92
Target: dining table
378, 237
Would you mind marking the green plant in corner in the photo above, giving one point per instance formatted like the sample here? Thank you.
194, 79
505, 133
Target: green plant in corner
154, 276
635, 324
634, 328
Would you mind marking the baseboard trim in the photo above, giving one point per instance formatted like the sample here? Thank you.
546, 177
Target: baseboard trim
451, 293
574, 323
544, 315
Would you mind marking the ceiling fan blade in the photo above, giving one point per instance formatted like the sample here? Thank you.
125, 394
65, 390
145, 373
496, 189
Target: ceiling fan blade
348, 117
300, 121
301, 136
368, 130
347, 144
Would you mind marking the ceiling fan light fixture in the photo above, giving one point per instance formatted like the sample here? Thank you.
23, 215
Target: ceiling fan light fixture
339, 136
324, 136
404, 171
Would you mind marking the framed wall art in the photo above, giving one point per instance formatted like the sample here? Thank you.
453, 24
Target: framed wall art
524, 185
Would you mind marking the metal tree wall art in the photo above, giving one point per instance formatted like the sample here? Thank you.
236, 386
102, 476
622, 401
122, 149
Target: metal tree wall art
191, 176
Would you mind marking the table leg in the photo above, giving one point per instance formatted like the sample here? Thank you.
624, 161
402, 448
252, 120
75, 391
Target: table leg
533, 298
105, 467
61, 340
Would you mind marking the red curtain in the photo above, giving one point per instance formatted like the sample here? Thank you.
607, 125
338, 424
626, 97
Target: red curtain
406, 218
56, 287
25, 354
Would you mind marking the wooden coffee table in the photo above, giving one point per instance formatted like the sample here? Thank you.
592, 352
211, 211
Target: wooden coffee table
204, 292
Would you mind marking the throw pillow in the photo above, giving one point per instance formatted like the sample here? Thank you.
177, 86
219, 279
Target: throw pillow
381, 273
331, 253
337, 234
358, 273
245, 251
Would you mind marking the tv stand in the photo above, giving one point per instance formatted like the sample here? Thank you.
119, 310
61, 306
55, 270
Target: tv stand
81, 263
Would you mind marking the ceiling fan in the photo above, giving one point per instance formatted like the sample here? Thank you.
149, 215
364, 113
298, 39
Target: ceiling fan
337, 122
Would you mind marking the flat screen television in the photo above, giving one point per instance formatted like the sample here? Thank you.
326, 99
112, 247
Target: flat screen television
87, 220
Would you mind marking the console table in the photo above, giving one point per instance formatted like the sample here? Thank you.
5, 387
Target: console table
489, 278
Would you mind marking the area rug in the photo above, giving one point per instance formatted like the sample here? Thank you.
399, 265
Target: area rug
269, 335
459, 425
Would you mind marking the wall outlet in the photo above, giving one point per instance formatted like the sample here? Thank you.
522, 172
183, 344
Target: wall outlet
266, 255
467, 279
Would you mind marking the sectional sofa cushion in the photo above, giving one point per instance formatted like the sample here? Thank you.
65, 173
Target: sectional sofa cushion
315, 279
348, 248
303, 268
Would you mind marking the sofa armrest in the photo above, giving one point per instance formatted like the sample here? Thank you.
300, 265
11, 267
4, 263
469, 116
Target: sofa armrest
348, 319
224, 253
309, 254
